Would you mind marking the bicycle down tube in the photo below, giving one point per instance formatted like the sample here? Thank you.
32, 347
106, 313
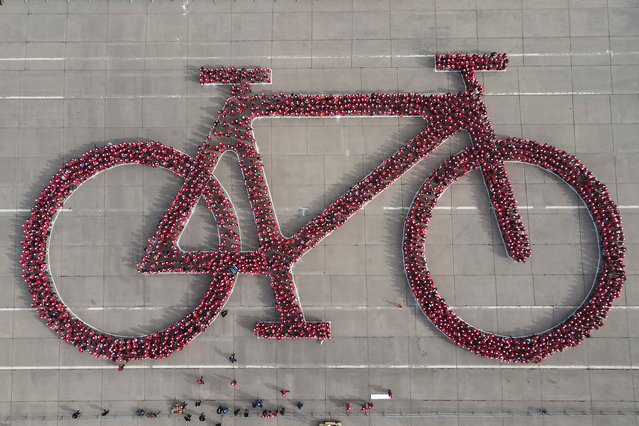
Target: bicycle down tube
446, 114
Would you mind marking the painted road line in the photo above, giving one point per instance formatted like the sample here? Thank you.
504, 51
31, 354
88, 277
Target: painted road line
315, 308
28, 210
227, 366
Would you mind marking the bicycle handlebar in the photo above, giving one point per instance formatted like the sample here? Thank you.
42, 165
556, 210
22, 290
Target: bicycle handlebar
466, 62
233, 75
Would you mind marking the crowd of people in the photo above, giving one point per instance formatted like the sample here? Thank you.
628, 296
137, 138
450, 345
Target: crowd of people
447, 114
573, 330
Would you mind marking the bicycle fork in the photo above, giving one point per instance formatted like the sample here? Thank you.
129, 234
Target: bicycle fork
504, 205
502, 198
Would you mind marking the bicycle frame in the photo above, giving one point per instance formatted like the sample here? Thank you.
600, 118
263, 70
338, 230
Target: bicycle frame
276, 255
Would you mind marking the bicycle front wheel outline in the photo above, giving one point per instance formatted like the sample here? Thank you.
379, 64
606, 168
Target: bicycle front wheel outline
36, 271
588, 316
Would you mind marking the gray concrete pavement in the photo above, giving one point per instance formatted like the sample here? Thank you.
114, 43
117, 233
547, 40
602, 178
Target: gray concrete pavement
78, 74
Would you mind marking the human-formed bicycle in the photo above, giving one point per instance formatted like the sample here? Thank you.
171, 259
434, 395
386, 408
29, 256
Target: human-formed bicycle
276, 255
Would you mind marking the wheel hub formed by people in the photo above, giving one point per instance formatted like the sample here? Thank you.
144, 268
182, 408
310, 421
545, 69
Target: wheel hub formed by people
276, 254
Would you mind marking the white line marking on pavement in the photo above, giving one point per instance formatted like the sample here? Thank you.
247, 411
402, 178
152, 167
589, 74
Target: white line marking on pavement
544, 93
24, 58
28, 98
565, 207
312, 308
164, 58
520, 207
322, 366
629, 207
27, 210
190, 96
624, 207
209, 96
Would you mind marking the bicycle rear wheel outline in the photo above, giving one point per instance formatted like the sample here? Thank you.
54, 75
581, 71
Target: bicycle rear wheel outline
571, 331
37, 274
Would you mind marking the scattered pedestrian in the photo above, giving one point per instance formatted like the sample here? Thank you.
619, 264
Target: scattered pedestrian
246, 412
367, 406
234, 382
390, 394
398, 305
140, 412
198, 402
224, 313
236, 411
300, 404
282, 410
76, 414
202, 417
105, 412
348, 407
120, 367
200, 381
232, 358
284, 392
187, 417
219, 409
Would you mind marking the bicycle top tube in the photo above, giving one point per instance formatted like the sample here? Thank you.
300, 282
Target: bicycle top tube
446, 114
245, 107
